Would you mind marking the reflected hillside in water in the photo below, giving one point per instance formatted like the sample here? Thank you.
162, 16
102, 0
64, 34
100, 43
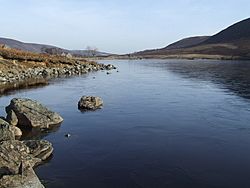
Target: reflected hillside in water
231, 75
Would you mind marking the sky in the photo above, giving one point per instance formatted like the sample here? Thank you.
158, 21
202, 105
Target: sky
116, 26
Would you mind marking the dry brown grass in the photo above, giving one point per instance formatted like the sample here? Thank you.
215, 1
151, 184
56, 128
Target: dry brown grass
210, 51
14, 54
17, 59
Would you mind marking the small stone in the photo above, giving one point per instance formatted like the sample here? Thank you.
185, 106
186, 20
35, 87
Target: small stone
110, 67
67, 135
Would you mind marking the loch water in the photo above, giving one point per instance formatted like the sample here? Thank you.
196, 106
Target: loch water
165, 123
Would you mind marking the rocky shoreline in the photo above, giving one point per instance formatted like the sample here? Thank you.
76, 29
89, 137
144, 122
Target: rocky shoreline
14, 78
14, 75
18, 158
23, 69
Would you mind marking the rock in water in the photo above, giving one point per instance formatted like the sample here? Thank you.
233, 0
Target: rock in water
67, 135
90, 103
31, 113
110, 67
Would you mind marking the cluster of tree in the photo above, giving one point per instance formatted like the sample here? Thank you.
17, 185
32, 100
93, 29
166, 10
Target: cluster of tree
91, 51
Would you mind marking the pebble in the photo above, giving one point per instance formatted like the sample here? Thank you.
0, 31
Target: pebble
67, 135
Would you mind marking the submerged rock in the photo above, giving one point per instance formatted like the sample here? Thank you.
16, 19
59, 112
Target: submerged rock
31, 113
90, 103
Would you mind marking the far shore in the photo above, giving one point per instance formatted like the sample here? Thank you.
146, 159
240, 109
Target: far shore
175, 56
20, 69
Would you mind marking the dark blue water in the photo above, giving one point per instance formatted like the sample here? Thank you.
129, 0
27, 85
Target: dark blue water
165, 123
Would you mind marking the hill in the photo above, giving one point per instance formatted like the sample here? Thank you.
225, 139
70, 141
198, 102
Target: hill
187, 42
43, 48
231, 43
238, 31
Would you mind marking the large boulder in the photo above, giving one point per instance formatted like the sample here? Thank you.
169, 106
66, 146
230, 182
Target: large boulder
90, 103
31, 113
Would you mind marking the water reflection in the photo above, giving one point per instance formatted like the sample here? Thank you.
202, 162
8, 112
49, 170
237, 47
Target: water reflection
10, 88
164, 124
231, 75
38, 134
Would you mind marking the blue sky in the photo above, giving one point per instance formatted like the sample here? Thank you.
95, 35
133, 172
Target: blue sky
118, 26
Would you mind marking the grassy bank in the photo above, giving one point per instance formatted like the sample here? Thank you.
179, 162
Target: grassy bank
20, 69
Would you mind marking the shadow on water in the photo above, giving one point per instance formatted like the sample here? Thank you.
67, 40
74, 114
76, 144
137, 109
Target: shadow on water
33, 83
38, 134
231, 75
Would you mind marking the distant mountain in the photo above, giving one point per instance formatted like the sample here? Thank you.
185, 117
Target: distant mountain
38, 48
43, 48
231, 43
238, 31
187, 42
